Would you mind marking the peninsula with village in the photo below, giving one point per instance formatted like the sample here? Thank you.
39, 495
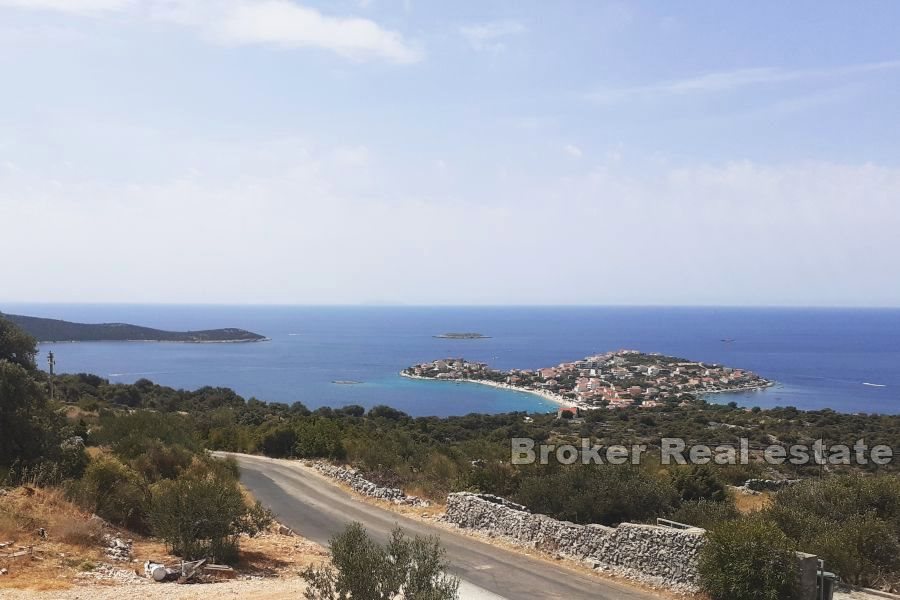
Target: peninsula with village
619, 379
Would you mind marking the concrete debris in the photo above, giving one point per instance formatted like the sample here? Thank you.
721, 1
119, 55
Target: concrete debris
4, 572
110, 574
219, 571
365, 487
116, 548
285, 530
197, 571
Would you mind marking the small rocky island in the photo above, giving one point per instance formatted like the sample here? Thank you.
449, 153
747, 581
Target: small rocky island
55, 330
462, 336
614, 380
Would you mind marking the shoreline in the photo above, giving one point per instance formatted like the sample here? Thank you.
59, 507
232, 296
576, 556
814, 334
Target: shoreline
265, 339
550, 396
754, 388
564, 402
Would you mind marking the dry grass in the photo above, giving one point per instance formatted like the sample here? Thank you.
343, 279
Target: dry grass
52, 561
95, 452
746, 503
74, 413
80, 533
73, 545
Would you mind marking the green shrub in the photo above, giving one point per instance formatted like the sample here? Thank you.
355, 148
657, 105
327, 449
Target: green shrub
851, 521
748, 559
319, 438
705, 514
159, 461
133, 435
698, 482
114, 491
202, 514
278, 442
29, 429
607, 494
361, 568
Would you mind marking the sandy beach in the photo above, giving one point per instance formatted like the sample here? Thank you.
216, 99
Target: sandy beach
555, 398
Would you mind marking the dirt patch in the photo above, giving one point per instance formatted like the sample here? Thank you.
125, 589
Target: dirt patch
749, 503
59, 547
260, 589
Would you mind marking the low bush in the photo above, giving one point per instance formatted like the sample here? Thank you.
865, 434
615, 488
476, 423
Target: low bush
748, 559
114, 491
704, 514
605, 494
698, 482
202, 514
851, 521
361, 568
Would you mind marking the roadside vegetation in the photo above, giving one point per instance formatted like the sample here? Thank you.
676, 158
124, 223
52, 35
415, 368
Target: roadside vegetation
147, 471
412, 569
134, 454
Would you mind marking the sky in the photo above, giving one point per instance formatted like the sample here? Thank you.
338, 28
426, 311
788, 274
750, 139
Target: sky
483, 152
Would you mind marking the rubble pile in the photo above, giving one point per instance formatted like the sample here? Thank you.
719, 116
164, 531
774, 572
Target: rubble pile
116, 548
111, 574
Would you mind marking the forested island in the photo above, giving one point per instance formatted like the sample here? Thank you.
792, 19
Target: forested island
55, 330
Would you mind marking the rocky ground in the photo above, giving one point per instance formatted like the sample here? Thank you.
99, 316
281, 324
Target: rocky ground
255, 589
50, 549
845, 594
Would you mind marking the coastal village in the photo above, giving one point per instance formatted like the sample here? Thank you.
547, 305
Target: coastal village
617, 379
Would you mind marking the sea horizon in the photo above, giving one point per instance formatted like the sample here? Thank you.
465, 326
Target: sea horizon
819, 357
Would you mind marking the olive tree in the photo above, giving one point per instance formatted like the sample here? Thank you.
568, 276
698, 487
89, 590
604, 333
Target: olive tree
414, 569
203, 515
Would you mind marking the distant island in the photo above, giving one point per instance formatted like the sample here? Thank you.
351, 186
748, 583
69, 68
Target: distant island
55, 330
462, 336
614, 380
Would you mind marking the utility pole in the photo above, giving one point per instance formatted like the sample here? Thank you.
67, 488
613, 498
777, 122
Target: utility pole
51, 360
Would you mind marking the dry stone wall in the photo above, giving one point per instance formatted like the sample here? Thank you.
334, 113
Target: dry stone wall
654, 555
367, 488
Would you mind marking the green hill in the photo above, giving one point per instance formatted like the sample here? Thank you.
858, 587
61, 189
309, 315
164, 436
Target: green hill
55, 330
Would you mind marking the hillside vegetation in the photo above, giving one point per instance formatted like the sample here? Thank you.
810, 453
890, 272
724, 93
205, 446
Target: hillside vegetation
153, 438
55, 330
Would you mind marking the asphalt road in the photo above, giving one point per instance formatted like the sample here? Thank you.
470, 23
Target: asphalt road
318, 509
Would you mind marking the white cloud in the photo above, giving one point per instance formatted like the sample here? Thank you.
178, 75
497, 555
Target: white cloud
317, 225
487, 36
70, 6
287, 24
726, 81
573, 150
283, 23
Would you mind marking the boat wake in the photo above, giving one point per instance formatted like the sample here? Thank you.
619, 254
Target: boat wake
873, 384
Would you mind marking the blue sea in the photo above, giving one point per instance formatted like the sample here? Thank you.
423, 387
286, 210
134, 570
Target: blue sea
821, 358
